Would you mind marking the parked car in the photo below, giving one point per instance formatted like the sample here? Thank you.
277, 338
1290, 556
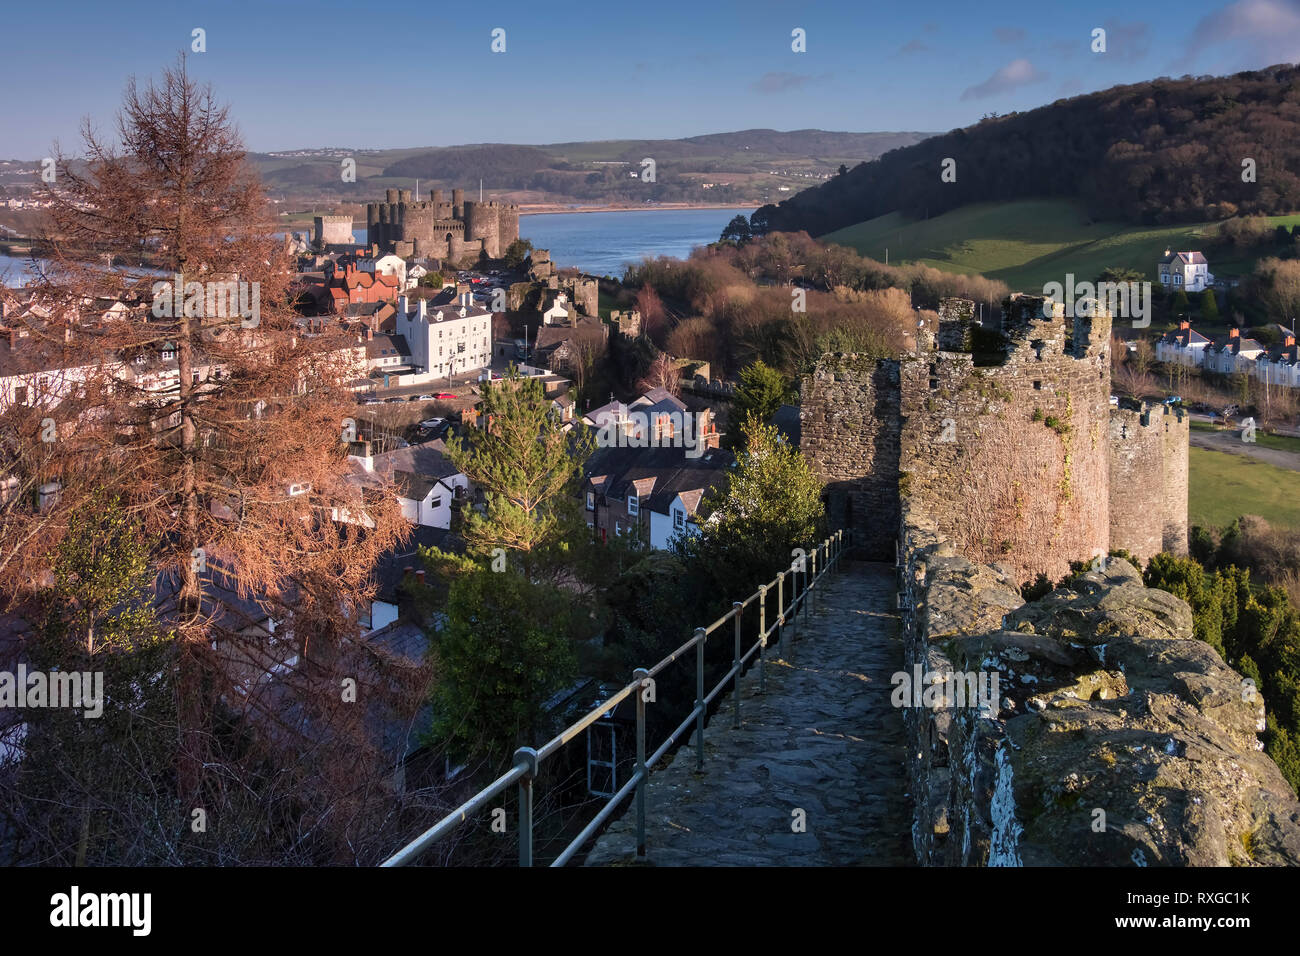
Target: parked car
390, 401
432, 423
425, 398
443, 395
371, 401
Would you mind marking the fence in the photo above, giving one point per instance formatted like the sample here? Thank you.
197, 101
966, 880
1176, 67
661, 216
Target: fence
803, 570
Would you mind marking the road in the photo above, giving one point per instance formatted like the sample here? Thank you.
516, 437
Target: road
1230, 442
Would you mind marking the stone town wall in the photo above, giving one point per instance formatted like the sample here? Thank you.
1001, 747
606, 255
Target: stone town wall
1115, 738
1008, 447
850, 434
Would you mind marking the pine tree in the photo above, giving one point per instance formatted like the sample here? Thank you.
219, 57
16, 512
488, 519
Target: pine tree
761, 392
526, 464
771, 504
1209, 306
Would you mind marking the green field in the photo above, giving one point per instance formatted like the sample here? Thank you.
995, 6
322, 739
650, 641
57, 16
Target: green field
1031, 242
1223, 487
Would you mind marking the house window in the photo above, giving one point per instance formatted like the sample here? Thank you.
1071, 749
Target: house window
20, 394
591, 501
435, 502
679, 520
633, 503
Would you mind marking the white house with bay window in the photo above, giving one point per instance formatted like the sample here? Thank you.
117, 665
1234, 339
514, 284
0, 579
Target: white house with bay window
1185, 270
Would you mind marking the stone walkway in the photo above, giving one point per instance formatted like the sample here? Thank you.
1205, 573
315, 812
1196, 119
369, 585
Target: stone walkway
823, 740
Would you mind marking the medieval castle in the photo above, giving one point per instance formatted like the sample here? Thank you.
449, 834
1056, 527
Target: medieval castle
1002, 437
439, 229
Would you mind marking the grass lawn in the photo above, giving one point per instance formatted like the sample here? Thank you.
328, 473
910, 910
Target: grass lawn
1223, 487
1029, 242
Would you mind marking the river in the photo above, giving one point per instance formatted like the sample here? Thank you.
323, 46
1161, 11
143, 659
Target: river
601, 243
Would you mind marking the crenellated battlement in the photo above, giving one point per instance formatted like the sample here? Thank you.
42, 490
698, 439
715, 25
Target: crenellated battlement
1005, 437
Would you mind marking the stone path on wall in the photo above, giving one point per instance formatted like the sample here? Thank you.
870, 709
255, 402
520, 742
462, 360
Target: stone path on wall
824, 739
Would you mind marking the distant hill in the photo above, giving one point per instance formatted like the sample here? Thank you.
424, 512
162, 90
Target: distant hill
1166, 151
747, 166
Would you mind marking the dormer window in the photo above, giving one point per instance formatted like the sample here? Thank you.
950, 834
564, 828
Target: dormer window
679, 519
633, 504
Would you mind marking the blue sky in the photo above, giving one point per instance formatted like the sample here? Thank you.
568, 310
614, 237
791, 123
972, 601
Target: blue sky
358, 75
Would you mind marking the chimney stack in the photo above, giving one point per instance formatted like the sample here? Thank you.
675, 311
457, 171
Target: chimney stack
370, 335
1185, 324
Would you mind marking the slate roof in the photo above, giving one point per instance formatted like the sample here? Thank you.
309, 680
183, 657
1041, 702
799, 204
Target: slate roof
657, 475
1236, 345
788, 423
1185, 258
386, 344
1184, 338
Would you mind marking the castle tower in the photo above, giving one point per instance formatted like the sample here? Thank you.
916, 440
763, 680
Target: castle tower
458, 203
482, 222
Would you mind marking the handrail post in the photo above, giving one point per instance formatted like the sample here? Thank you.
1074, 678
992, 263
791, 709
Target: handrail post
526, 756
780, 614
700, 637
639, 676
736, 606
762, 637
812, 582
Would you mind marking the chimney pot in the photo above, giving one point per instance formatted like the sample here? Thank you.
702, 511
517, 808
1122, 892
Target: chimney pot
419, 576
1234, 333
406, 572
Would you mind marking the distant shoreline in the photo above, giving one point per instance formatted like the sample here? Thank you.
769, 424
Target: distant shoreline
550, 209
541, 209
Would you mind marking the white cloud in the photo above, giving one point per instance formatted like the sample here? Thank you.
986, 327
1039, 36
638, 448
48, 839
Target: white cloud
1015, 74
1248, 33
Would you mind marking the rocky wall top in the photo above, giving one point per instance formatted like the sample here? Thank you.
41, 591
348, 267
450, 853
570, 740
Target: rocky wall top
1114, 737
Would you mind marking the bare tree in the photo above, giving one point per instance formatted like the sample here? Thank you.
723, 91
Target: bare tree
220, 424
663, 373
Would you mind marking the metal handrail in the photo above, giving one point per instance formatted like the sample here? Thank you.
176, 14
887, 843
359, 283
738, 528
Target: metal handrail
527, 761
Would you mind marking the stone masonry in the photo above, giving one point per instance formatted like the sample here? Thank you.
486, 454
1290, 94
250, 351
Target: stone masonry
1003, 435
823, 739
1117, 738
